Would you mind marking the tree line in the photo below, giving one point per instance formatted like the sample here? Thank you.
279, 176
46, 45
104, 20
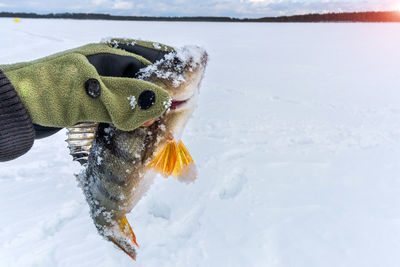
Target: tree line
382, 16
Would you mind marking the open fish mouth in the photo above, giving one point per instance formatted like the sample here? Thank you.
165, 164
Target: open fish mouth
182, 103
177, 104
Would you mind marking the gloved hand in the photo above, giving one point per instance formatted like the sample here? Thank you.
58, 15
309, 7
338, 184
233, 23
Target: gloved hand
92, 83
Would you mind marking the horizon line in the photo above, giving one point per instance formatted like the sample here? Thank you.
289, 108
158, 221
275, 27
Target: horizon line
282, 18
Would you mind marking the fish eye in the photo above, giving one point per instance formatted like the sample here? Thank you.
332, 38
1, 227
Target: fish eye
146, 99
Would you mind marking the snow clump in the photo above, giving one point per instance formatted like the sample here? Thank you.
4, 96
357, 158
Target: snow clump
132, 101
174, 65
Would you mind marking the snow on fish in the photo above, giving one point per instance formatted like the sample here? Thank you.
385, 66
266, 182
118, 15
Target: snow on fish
120, 166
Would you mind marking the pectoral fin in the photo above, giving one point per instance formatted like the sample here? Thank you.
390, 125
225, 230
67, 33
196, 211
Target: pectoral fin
174, 160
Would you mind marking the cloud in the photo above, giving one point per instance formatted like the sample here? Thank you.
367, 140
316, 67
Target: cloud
3, 5
98, 2
122, 5
259, 1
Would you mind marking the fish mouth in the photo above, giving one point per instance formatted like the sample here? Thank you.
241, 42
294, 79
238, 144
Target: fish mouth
175, 104
178, 103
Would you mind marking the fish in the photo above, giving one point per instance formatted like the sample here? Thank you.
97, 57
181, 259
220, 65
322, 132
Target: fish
120, 166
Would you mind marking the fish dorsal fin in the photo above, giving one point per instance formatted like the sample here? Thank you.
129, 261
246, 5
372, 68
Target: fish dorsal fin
80, 139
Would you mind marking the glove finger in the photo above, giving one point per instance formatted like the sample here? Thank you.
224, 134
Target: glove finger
151, 51
132, 102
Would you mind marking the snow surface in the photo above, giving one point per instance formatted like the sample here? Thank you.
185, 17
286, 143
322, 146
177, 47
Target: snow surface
296, 139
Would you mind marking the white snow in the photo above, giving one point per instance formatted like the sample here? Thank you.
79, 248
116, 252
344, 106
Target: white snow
187, 55
167, 105
132, 101
296, 139
156, 45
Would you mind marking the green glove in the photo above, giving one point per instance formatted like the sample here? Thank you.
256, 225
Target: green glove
92, 83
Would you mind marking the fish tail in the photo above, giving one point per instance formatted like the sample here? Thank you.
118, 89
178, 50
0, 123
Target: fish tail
126, 228
124, 238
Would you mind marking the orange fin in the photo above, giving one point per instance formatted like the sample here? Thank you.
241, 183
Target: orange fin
122, 246
123, 237
183, 160
172, 160
164, 162
127, 229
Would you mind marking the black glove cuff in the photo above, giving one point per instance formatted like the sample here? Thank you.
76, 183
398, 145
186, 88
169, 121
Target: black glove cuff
16, 129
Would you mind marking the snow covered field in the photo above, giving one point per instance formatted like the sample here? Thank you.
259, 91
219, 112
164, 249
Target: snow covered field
296, 140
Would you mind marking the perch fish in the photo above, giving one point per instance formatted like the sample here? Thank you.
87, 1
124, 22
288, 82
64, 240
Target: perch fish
120, 166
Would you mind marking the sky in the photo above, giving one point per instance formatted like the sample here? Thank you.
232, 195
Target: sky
230, 8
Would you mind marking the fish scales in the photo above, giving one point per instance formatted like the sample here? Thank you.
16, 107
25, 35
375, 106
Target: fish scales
126, 154
120, 166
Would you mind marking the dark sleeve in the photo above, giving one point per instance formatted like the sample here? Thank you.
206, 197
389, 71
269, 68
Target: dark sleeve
17, 133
